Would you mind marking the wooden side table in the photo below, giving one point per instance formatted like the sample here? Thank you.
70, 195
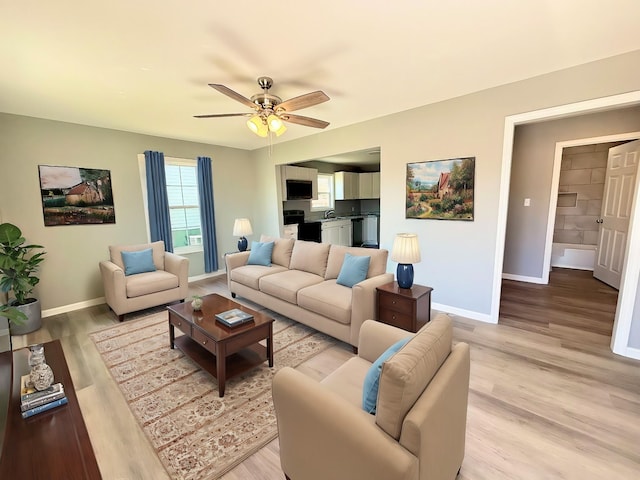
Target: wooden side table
407, 308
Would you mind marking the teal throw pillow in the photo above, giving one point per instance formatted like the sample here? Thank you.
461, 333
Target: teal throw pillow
354, 269
138, 262
260, 253
372, 378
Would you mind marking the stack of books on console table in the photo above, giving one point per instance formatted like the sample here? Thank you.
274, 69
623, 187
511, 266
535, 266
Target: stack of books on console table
234, 317
33, 402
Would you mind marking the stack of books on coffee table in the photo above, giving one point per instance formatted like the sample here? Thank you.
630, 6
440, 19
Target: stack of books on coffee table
33, 402
234, 317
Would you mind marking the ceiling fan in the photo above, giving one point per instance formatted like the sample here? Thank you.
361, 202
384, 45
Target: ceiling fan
270, 111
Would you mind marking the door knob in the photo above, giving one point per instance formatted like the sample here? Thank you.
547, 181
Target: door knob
599, 220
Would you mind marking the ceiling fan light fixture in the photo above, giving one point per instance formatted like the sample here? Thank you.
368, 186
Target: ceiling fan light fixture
257, 126
276, 125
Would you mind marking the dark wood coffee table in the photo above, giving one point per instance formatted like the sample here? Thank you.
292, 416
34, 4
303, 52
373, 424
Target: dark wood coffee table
235, 349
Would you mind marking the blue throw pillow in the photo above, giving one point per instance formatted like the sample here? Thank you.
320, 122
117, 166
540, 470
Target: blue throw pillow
354, 269
138, 262
260, 253
372, 379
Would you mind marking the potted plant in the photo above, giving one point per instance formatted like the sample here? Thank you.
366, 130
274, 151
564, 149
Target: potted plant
19, 263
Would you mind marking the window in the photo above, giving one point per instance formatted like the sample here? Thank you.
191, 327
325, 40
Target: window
184, 203
325, 193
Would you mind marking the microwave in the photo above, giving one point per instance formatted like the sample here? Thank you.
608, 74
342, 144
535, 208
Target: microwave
299, 190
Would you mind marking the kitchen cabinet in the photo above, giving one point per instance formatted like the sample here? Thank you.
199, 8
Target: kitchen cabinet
346, 185
369, 185
292, 172
337, 232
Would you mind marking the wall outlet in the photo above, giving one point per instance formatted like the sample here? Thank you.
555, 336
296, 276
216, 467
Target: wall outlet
527, 202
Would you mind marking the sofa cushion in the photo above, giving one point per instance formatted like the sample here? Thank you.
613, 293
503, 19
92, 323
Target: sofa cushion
309, 257
282, 248
260, 253
372, 378
327, 299
150, 282
138, 262
285, 285
405, 375
377, 264
115, 253
354, 270
250, 275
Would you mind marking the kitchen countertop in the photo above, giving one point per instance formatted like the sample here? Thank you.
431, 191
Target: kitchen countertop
342, 217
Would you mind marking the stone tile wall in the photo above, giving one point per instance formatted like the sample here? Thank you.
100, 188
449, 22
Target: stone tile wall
580, 193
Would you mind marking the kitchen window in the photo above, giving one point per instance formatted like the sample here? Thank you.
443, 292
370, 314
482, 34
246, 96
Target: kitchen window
325, 199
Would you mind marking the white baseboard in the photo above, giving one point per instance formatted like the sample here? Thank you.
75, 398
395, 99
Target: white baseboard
632, 352
207, 275
523, 278
72, 307
483, 317
99, 301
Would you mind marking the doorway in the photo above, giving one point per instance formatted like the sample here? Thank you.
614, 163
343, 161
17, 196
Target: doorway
631, 274
555, 186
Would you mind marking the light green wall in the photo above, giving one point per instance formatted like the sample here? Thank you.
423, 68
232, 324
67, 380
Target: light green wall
70, 272
458, 258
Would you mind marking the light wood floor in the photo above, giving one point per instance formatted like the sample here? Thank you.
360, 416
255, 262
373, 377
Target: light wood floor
548, 399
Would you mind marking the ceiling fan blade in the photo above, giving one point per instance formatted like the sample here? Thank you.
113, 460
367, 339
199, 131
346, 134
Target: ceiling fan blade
235, 95
217, 115
304, 101
300, 120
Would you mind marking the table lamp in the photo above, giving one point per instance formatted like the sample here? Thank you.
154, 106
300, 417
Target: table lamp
241, 228
406, 251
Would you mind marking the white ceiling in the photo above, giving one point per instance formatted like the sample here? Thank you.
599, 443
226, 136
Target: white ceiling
144, 65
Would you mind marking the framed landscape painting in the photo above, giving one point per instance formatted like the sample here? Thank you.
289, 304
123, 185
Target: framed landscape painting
441, 189
76, 196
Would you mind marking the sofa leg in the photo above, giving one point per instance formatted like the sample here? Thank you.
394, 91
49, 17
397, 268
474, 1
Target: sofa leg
233, 295
286, 476
355, 349
121, 317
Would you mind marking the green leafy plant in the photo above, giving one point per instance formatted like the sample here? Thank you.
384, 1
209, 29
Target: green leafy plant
19, 263
13, 314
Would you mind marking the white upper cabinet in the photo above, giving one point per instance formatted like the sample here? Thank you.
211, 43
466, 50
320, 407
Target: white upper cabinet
369, 185
346, 185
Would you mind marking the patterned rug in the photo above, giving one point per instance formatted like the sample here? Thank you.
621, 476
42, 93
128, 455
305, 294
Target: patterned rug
196, 434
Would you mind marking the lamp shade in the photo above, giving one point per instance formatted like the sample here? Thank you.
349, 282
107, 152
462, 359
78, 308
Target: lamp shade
257, 126
406, 248
242, 227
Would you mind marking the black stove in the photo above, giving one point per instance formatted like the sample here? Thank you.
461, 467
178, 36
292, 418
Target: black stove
293, 216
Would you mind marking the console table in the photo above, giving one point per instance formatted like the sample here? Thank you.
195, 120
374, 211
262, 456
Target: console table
52, 444
407, 308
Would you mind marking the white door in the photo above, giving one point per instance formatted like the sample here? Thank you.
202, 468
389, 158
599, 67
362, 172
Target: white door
619, 186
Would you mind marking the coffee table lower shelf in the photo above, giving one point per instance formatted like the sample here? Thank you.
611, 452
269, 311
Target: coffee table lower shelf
235, 364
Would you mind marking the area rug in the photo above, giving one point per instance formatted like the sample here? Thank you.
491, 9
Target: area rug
196, 434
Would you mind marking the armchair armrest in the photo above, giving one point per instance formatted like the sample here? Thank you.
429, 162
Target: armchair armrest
114, 284
363, 302
376, 337
323, 436
177, 265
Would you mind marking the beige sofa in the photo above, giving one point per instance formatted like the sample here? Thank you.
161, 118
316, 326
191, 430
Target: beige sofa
301, 284
167, 284
418, 430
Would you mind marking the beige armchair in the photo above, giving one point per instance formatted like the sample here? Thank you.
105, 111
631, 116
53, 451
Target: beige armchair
418, 430
129, 293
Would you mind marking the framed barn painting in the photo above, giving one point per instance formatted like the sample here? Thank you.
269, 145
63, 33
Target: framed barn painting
441, 189
76, 196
